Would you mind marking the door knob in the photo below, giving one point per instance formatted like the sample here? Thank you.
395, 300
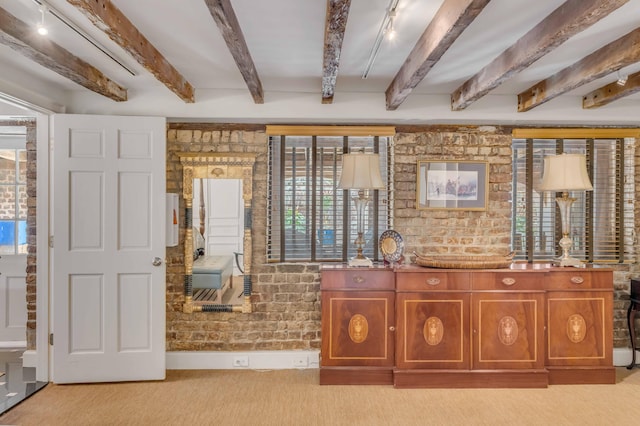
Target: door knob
156, 261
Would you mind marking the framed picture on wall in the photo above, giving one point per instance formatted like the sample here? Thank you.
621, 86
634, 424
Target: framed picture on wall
452, 185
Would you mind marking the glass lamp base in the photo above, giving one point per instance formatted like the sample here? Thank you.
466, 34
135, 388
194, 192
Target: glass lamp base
363, 261
566, 260
569, 261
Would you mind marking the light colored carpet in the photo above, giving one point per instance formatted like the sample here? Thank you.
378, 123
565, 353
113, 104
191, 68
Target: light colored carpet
293, 397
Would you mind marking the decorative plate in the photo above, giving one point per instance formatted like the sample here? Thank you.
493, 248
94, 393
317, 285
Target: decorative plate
391, 245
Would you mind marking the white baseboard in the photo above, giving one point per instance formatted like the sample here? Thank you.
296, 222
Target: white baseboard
269, 360
622, 357
282, 360
253, 360
30, 358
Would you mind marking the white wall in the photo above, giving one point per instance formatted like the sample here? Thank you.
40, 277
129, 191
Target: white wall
234, 106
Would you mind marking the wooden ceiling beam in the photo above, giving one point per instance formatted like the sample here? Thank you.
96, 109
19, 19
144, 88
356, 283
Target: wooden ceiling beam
453, 17
224, 16
23, 38
612, 92
610, 58
567, 20
107, 17
334, 28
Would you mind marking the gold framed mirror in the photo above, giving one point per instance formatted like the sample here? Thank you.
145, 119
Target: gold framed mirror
198, 166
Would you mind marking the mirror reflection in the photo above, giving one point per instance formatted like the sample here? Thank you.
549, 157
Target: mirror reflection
218, 234
217, 192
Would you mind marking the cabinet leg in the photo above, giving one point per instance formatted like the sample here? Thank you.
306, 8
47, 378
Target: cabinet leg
631, 316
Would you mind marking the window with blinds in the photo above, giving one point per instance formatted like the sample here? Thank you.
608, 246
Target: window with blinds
309, 218
601, 220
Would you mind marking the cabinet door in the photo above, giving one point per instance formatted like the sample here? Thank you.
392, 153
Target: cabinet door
580, 328
508, 330
357, 328
433, 330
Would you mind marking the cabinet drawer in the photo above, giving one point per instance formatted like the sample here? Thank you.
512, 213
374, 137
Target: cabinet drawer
508, 280
357, 279
579, 279
430, 281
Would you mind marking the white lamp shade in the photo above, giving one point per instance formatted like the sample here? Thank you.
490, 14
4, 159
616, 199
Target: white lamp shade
360, 171
565, 172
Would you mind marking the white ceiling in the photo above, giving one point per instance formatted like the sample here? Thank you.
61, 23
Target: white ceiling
285, 38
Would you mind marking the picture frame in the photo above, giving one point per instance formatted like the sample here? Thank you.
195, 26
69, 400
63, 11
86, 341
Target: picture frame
452, 185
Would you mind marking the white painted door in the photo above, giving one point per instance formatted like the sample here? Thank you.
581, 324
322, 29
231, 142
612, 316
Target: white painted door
225, 217
13, 238
108, 293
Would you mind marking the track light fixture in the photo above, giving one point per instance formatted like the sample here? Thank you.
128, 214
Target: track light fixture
386, 29
622, 79
42, 28
390, 31
46, 8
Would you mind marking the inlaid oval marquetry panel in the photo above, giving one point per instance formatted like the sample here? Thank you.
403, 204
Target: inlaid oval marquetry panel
508, 330
433, 331
358, 328
576, 328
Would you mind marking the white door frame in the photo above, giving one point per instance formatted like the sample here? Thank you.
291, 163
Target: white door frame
42, 243
39, 357
41, 108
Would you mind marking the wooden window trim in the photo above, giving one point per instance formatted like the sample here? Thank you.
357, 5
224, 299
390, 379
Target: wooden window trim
575, 133
280, 130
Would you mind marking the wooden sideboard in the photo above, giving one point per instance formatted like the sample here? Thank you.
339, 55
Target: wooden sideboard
526, 326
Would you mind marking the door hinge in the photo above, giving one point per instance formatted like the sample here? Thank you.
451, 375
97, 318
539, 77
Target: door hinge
51, 339
51, 241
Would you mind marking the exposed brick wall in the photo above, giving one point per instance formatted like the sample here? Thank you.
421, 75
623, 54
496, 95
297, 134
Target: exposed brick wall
454, 231
7, 193
286, 296
31, 233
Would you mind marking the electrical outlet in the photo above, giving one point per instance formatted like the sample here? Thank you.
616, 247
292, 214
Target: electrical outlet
241, 361
300, 361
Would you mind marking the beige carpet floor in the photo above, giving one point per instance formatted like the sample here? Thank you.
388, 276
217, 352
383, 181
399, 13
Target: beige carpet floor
293, 397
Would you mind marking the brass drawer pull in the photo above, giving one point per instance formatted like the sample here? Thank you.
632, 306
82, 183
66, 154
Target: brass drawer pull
577, 280
433, 281
358, 279
508, 281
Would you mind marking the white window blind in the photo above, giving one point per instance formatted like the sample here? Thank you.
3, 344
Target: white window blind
601, 220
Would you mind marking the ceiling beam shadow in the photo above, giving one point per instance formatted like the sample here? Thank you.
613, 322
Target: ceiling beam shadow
566, 21
611, 92
334, 28
22, 38
108, 18
610, 58
453, 17
224, 16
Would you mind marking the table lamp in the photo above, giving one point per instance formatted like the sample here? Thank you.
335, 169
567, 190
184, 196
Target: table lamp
362, 172
564, 173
